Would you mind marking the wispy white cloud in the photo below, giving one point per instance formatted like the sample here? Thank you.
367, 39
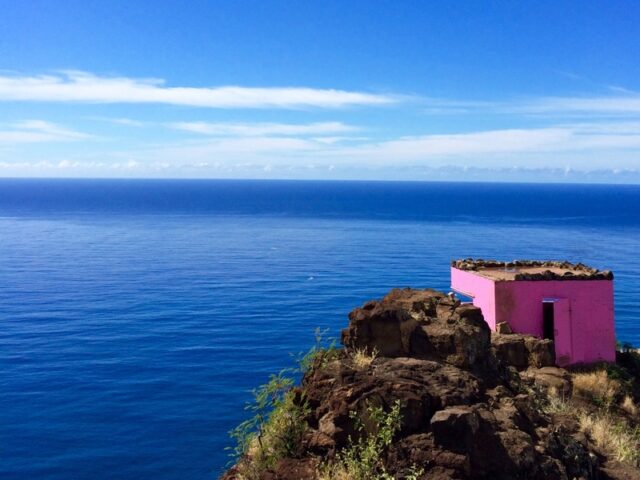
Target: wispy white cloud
611, 141
74, 86
263, 129
339, 139
626, 105
620, 103
578, 146
235, 147
473, 143
129, 122
38, 131
581, 133
622, 90
66, 164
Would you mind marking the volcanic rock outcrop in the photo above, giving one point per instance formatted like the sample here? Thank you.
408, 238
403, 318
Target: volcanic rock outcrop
467, 396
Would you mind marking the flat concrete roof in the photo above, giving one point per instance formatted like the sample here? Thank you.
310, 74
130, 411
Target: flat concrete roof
530, 270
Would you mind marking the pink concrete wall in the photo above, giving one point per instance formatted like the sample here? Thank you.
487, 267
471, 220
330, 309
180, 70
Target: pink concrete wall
588, 336
584, 317
481, 289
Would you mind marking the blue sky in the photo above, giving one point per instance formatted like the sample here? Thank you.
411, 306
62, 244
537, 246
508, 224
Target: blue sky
523, 91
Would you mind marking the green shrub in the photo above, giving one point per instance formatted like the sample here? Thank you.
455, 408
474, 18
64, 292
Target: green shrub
275, 429
320, 354
362, 458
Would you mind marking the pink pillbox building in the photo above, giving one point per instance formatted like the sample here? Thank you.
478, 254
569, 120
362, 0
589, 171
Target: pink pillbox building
570, 304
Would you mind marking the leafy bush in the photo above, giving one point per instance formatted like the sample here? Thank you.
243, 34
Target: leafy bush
274, 431
278, 415
362, 458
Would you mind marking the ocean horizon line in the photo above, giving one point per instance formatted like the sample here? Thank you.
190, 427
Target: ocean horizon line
323, 180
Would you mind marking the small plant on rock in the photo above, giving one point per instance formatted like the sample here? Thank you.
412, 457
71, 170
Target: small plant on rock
555, 402
613, 435
629, 406
274, 431
362, 358
362, 458
598, 387
320, 354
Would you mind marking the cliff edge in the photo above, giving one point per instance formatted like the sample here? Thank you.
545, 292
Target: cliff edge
424, 390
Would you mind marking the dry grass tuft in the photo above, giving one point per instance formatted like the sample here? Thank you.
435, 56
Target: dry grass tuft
362, 358
616, 437
629, 406
597, 386
334, 471
556, 402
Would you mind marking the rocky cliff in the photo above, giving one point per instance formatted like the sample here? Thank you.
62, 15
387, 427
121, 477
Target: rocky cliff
470, 404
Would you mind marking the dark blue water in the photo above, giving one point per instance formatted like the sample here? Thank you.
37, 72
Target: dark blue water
137, 315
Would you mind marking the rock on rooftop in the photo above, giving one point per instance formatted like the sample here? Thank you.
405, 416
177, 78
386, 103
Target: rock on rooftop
531, 270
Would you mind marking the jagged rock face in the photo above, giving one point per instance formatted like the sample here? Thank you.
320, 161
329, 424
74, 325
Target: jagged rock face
423, 387
451, 425
423, 324
465, 413
523, 351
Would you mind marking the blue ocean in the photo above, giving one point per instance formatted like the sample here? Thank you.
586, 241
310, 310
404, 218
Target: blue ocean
136, 316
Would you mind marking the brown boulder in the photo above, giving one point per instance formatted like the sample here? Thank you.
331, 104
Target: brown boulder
523, 351
455, 428
550, 377
423, 324
511, 350
293, 469
423, 387
541, 351
503, 327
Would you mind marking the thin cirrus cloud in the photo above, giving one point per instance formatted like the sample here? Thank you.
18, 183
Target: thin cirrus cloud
628, 104
39, 131
74, 86
465, 144
623, 103
263, 129
582, 146
557, 138
571, 143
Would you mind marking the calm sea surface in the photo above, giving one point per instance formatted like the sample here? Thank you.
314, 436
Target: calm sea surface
136, 316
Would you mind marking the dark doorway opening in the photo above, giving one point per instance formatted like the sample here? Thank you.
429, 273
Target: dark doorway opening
547, 320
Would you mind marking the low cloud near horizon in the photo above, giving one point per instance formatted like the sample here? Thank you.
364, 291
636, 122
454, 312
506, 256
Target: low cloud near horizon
327, 132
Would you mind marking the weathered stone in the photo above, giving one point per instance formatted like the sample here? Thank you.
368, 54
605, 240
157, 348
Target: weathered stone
422, 324
463, 413
295, 469
576, 272
503, 328
550, 377
572, 454
523, 351
511, 350
541, 351
455, 428
422, 387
